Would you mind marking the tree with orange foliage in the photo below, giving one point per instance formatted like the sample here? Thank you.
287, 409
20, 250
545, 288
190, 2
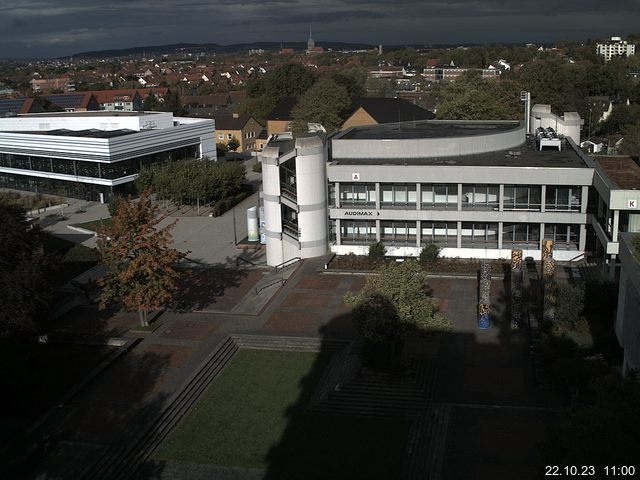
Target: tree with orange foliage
142, 268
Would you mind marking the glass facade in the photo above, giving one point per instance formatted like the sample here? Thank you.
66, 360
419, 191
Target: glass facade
289, 221
288, 186
521, 235
399, 195
480, 197
522, 197
442, 234
357, 232
80, 168
357, 195
83, 168
439, 196
398, 232
563, 198
479, 235
564, 236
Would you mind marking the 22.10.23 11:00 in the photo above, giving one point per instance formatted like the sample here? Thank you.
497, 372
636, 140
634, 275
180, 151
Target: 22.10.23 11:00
628, 471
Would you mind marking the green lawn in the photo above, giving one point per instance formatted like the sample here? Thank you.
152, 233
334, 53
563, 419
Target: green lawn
95, 224
254, 416
71, 259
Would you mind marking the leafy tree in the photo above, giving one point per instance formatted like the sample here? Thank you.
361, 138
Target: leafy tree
142, 268
377, 250
474, 98
325, 103
550, 83
287, 80
429, 253
404, 286
353, 80
376, 321
631, 142
172, 103
621, 118
151, 103
221, 149
233, 144
24, 290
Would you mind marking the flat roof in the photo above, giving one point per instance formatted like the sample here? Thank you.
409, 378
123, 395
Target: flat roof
427, 129
622, 171
526, 155
90, 113
91, 133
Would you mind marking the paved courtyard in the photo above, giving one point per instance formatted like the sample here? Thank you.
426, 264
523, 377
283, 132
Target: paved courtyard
476, 370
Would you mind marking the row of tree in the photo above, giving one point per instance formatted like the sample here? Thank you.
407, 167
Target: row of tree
322, 99
193, 181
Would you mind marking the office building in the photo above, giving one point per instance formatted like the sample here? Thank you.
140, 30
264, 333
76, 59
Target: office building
93, 155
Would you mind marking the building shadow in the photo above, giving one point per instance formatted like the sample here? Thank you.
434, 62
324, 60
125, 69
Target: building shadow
78, 400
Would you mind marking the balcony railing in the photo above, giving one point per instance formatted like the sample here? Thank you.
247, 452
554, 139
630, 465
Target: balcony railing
289, 191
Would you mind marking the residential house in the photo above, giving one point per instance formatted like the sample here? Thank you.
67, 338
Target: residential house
378, 110
243, 128
279, 119
119, 100
74, 102
41, 85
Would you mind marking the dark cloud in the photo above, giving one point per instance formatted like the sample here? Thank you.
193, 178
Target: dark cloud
61, 27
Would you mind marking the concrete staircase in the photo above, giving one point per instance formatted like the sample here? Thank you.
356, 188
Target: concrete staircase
372, 393
427, 443
122, 461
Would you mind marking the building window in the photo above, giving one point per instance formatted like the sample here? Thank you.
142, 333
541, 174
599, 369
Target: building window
357, 232
439, 196
398, 195
442, 234
563, 198
289, 221
521, 235
522, 197
479, 235
288, 185
331, 195
398, 232
357, 195
480, 197
564, 236
229, 136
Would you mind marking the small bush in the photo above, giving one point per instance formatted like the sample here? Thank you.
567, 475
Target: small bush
228, 203
257, 167
430, 253
377, 250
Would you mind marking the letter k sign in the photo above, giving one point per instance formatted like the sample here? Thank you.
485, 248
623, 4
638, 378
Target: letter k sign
632, 204
355, 177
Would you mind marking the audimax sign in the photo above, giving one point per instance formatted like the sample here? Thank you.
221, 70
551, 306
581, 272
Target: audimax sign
360, 213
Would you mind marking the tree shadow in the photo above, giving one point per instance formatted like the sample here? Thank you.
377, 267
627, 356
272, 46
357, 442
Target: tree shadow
210, 286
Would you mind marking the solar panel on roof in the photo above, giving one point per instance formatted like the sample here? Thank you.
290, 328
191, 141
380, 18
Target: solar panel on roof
66, 101
11, 105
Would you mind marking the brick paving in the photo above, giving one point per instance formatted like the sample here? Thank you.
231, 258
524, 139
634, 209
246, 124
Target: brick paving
475, 366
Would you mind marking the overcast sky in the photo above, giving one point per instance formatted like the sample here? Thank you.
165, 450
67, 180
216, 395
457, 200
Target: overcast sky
48, 28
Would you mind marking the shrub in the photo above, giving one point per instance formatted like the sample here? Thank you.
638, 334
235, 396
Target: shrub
228, 203
429, 253
377, 250
257, 167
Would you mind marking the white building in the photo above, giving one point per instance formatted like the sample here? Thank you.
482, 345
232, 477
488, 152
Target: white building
628, 315
93, 155
476, 189
616, 47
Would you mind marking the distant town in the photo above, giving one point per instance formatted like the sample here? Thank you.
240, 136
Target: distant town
321, 260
